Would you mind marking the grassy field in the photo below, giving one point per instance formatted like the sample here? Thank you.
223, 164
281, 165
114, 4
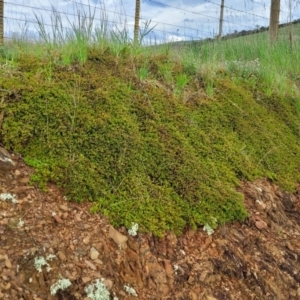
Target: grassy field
159, 136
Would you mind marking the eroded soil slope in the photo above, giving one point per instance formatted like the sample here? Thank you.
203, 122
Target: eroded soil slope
256, 259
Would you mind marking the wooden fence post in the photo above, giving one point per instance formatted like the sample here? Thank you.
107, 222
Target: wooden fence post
274, 20
1, 22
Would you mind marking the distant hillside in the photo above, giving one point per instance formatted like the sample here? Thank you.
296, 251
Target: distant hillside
235, 34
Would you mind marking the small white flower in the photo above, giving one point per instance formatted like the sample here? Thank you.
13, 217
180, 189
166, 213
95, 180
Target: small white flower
130, 290
134, 229
61, 284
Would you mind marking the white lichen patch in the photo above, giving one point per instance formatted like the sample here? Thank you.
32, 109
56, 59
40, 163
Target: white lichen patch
50, 257
97, 291
8, 196
39, 262
130, 290
61, 284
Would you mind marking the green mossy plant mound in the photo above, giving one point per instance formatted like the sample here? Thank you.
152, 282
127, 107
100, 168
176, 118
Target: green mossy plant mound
142, 149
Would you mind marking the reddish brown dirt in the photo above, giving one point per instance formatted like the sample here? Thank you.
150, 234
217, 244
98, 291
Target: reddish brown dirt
256, 259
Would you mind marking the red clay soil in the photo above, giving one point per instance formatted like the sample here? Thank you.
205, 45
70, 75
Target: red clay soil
256, 259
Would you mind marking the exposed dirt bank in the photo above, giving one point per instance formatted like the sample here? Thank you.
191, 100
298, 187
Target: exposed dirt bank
256, 259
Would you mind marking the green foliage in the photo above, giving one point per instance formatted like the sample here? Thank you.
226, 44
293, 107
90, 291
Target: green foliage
142, 73
139, 153
165, 71
181, 81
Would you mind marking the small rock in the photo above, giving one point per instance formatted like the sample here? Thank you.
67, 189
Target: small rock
77, 218
86, 240
193, 296
64, 207
93, 253
8, 263
7, 286
57, 218
98, 261
90, 265
17, 173
6, 162
211, 298
117, 237
108, 283
260, 224
191, 279
61, 255
86, 279
203, 276
260, 204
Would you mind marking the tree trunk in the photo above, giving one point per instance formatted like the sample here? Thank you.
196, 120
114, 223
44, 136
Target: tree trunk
274, 20
137, 21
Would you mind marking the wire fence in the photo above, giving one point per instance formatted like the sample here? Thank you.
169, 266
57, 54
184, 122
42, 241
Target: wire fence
162, 22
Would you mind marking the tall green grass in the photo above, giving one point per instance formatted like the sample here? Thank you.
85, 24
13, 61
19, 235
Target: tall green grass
274, 65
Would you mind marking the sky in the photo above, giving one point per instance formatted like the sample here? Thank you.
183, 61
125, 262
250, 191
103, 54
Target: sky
166, 20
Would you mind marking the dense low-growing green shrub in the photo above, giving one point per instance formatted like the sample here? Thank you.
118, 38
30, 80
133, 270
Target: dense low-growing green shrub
141, 151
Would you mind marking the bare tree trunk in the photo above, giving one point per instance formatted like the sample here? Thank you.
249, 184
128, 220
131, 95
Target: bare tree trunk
1, 22
274, 20
137, 21
221, 19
